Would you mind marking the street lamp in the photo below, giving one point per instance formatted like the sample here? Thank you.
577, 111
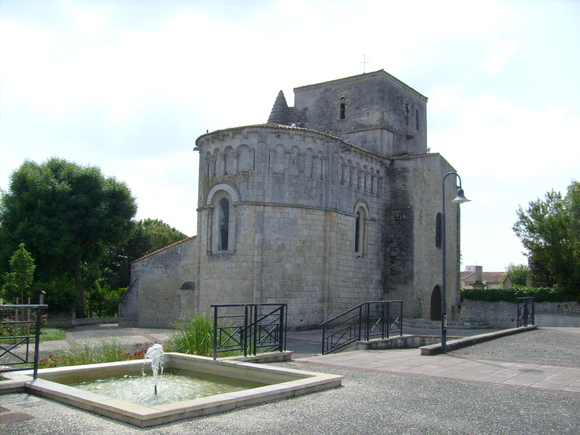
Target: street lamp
459, 200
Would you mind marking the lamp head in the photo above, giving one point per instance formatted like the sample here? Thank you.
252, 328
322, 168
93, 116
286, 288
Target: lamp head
460, 199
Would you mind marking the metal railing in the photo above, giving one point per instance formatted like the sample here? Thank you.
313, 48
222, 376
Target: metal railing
251, 328
525, 313
20, 326
371, 319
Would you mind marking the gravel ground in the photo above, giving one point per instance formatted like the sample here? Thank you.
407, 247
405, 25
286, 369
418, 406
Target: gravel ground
368, 403
540, 346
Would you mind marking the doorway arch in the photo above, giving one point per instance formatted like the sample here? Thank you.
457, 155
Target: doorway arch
436, 303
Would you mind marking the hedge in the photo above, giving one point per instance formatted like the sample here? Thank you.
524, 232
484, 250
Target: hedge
540, 294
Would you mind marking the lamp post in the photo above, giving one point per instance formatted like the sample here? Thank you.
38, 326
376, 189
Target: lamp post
459, 200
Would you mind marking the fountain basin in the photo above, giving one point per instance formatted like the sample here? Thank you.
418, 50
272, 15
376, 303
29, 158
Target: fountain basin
278, 383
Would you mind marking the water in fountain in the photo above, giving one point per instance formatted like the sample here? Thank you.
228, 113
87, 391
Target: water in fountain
176, 386
154, 356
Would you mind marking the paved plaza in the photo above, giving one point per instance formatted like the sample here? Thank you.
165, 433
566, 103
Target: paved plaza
525, 383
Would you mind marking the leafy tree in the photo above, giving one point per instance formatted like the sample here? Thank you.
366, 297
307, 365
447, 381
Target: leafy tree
518, 273
550, 231
148, 235
22, 272
160, 233
67, 215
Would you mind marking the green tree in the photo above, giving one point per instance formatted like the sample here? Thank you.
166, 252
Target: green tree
67, 215
21, 273
160, 233
148, 235
518, 274
550, 231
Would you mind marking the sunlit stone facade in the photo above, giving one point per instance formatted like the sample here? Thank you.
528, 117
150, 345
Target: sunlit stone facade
331, 203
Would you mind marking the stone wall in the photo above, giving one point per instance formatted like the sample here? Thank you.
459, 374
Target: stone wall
504, 314
162, 287
414, 265
375, 111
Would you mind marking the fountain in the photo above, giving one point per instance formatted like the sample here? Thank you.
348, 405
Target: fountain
154, 356
266, 383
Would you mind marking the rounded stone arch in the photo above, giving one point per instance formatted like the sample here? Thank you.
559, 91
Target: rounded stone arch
278, 159
365, 176
436, 303
218, 162
246, 159
376, 182
294, 160
343, 170
209, 172
308, 162
358, 175
229, 160
364, 204
350, 168
230, 189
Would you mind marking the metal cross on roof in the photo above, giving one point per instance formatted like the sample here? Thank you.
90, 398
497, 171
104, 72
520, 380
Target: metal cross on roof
364, 62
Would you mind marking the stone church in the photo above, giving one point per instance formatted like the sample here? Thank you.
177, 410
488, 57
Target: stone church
333, 202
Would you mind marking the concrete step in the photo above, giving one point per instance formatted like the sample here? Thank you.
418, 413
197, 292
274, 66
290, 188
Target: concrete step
436, 324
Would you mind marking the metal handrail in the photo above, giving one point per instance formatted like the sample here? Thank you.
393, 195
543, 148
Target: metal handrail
14, 340
250, 331
525, 311
361, 323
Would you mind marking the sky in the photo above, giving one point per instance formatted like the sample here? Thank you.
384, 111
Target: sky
128, 86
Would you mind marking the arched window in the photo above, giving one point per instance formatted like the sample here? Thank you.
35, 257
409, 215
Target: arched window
360, 230
436, 303
357, 232
224, 224
342, 108
438, 230
221, 219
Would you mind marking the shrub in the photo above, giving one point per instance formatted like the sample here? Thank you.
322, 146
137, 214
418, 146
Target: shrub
540, 294
102, 300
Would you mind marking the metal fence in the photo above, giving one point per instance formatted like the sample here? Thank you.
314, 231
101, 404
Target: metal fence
249, 328
525, 314
20, 327
371, 319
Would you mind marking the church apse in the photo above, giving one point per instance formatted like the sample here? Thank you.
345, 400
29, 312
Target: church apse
321, 208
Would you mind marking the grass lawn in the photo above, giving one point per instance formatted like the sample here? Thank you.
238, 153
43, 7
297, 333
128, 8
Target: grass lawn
51, 334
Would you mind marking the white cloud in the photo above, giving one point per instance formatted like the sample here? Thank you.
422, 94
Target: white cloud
500, 52
128, 86
491, 136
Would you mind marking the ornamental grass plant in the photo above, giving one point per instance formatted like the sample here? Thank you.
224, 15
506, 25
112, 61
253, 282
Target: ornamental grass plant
192, 334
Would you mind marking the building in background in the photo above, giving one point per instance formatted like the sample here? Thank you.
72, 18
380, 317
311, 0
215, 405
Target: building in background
473, 277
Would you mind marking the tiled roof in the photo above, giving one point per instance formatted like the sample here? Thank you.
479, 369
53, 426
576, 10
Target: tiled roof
289, 127
163, 249
487, 277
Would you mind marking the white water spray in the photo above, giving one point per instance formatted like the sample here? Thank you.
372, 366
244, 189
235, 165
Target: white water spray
154, 356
